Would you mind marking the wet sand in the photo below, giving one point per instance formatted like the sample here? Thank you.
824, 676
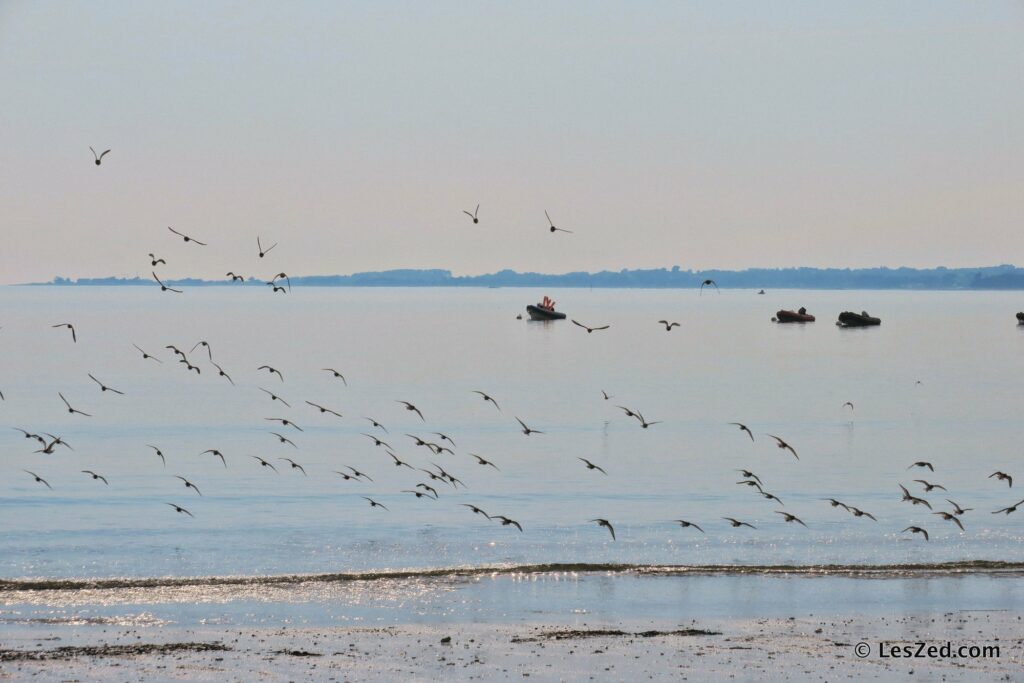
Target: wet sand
797, 648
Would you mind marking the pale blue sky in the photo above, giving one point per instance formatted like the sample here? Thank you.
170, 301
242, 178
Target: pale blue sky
704, 134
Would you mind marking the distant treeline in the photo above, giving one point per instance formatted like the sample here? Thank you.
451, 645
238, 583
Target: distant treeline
989, 277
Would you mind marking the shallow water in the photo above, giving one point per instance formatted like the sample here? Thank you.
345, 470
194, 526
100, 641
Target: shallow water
726, 363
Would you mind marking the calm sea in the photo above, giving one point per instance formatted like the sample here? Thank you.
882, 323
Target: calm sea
939, 381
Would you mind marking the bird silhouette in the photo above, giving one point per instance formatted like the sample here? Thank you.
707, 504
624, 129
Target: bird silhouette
527, 430
737, 523
606, 524
39, 480
186, 237
552, 225
709, 283
264, 252
916, 530
272, 371
98, 158
179, 509
340, 376
104, 387
487, 398
590, 329
592, 466
74, 335
189, 485
96, 477
154, 261
72, 411
410, 407
1002, 476
668, 325
683, 523
785, 446
163, 287
474, 214
147, 356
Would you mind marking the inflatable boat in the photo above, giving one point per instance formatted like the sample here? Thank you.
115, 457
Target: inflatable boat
862, 319
801, 316
1020, 318
545, 310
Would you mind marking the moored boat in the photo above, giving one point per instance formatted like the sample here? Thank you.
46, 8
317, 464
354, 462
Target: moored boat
862, 319
545, 310
1020, 318
800, 316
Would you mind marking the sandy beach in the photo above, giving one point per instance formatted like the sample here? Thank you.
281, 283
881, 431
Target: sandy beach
799, 648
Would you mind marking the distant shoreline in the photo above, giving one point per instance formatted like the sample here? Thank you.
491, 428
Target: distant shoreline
1003, 277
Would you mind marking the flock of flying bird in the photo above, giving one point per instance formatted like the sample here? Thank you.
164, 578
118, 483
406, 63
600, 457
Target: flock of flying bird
439, 478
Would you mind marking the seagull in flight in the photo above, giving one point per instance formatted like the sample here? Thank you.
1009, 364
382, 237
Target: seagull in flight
186, 237
526, 430
1002, 476
487, 398
71, 410
154, 261
592, 466
785, 446
913, 499
590, 329
553, 228
505, 521
324, 410
606, 524
791, 518
146, 356
1012, 508
74, 337
744, 428
190, 485
264, 252
96, 476
104, 387
922, 464
474, 214
39, 480
668, 325
163, 287
271, 371
98, 157
412, 408
274, 397
178, 508
234, 278
338, 375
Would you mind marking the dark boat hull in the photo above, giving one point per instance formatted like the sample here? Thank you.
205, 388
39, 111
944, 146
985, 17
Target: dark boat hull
538, 313
1020, 318
850, 319
792, 317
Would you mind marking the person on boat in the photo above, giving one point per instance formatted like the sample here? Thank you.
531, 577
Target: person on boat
802, 311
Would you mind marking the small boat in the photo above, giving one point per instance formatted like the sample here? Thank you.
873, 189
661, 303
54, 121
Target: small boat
761, 292
862, 319
801, 316
545, 310
1020, 318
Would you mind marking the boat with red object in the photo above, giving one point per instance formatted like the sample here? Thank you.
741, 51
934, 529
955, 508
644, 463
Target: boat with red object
545, 310
801, 316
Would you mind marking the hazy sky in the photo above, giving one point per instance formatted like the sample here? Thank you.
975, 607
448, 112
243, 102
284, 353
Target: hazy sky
703, 134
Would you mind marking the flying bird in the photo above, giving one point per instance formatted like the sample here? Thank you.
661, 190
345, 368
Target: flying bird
71, 410
860, 513
743, 428
104, 387
39, 480
284, 439
475, 510
190, 485
206, 345
644, 423
412, 408
836, 504
398, 462
234, 278
146, 356
274, 397
683, 523
154, 261
668, 325
785, 446
922, 464
791, 518
950, 518
1002, 476
295, 465
482, 461
1012, 508
376, 424
375, 504
163, 287
178, 508
488, 398
98, 158
590, 329
96, 476
376, 441
747, 474
606, 524
848, 403
913, 499
264, 252
74, 337
159, 453
526, 430
592, 466
221, 373
324, 410
605, 394
284, 421
264, 463
505, 521
419, 494
737, 523
340, 376
957, 510
271, 371
928, 487
554, 229
709, 283
473, 215
916, 530
214, 451
186, 237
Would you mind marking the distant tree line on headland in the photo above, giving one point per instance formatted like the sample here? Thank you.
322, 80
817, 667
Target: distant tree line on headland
989, 277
